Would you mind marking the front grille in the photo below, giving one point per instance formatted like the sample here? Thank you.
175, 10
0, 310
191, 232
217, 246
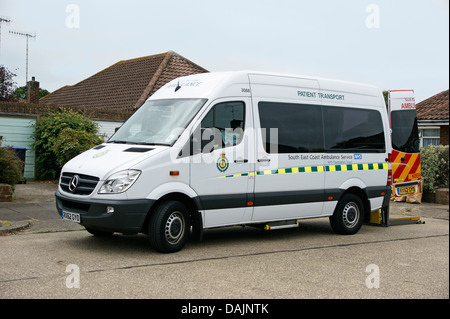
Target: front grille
74, 206
86, 184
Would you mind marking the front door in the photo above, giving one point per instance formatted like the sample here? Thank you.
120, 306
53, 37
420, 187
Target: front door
222, 168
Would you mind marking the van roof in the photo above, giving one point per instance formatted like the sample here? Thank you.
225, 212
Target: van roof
231, 83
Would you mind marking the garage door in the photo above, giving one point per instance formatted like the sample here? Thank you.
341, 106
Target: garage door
16, 132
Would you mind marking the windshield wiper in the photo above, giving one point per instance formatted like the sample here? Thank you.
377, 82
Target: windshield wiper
118, 142
137, 143
157, 144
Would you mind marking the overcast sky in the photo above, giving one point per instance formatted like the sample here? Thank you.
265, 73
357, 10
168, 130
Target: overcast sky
401, 44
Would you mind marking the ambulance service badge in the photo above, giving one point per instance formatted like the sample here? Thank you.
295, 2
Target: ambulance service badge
222, 163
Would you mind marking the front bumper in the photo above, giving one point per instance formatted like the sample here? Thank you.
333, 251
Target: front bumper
128, 216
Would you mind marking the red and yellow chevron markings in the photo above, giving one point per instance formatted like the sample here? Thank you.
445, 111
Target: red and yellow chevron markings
405, 167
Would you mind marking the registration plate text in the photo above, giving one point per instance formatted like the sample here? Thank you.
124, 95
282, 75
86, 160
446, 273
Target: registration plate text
74, 217
407, 190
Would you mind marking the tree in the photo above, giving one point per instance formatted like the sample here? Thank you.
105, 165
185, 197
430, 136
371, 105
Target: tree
386, 99
7, 84
21, 93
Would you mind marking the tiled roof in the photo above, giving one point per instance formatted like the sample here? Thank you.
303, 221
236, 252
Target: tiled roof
434, 108
126, 84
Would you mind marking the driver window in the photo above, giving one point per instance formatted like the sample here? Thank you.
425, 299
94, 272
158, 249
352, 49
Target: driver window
223, 126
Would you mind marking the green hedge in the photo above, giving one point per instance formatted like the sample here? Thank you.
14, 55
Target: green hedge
60, 135
434, 167
10, 167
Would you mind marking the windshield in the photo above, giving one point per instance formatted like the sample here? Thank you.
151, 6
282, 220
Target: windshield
158, 122
405, 134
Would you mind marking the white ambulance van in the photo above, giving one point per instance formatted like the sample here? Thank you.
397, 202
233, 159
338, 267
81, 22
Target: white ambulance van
235, 148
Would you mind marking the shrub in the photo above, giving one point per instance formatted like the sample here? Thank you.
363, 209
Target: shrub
443, 167
52, 130
434, 167
70, 143
10, 167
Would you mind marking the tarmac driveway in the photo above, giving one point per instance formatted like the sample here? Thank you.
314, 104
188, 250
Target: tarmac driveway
409, 261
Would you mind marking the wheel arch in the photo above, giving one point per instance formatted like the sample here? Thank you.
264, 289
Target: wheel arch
361, 193
191, 204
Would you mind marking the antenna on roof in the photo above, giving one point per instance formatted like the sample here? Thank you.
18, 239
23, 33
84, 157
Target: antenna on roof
178, 86
27, 35
3, 20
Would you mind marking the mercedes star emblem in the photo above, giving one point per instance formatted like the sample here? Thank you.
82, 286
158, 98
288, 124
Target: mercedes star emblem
73, 184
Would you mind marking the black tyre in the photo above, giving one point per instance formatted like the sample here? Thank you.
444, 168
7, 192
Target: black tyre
348, 216
168, 228
99, 233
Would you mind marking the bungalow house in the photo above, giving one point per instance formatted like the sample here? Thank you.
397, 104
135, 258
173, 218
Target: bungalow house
109, 97
432, 116
126, 84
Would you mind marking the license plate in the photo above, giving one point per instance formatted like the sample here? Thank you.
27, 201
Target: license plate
74, 217
407, 190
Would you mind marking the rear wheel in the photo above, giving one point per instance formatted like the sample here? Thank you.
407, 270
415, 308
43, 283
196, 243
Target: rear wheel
169, 227
348, 216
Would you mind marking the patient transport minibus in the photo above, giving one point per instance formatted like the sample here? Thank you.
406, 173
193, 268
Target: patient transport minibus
235, 148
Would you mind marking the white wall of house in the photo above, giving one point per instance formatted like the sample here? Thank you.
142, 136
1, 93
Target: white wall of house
16, 132
108, 127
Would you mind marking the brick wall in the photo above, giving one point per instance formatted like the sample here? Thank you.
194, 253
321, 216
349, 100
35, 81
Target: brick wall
33, 91
442, 196
6, 194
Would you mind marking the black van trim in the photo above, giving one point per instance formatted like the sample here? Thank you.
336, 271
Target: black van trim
209, 202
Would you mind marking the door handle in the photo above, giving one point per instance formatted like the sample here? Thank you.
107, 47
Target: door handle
241, 161
264, 160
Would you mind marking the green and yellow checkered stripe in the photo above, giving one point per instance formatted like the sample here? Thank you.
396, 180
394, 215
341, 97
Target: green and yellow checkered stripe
313, 169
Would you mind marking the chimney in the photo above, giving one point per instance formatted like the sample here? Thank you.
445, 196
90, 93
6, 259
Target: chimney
33, 91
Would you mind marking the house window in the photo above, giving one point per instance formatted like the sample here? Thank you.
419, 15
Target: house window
429, 136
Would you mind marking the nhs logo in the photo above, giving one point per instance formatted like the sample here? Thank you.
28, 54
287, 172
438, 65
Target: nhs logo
357, 156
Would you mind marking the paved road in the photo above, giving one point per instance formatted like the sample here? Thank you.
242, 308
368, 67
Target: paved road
410, 261
309, 262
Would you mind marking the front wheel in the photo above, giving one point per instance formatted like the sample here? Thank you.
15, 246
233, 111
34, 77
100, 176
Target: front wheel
169, 227
348, 216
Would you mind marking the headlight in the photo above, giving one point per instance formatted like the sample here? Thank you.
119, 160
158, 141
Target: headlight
119, 182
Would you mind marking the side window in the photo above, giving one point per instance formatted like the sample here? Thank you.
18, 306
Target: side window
291, 128
223, 126
348, 129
